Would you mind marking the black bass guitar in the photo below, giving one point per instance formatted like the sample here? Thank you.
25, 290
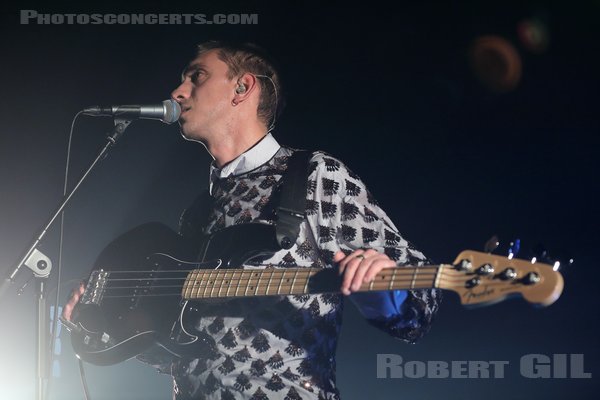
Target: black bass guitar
142, 288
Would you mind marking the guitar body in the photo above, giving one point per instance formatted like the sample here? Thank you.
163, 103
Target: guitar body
133, 302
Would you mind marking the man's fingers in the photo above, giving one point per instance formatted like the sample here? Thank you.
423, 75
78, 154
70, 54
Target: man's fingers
360, 253
368, 268
339, 256
349, 271
354, 269
76, 294
360, 266
359, 274
377, 266
347, 259
67, 310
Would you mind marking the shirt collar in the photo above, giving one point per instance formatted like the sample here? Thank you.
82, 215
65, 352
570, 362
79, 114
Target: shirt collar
253, 158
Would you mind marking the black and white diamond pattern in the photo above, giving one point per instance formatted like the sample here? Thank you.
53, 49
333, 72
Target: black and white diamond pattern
283, 349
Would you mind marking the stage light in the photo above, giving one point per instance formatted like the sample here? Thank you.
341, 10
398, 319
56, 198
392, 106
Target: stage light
533, 35
496, 63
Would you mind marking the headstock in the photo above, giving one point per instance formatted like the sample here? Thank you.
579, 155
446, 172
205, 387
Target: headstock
482, 279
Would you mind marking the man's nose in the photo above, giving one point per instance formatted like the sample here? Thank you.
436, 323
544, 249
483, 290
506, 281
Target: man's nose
180, 93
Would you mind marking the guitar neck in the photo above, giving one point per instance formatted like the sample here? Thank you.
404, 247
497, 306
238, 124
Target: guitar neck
208, 284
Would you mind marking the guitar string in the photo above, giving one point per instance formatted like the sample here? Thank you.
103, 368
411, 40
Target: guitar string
275, 268
249, 277
230, 284
276, 271
399, 271
246, 276
260, 282
255, 295
247, 281
229, 278
234, 280
376, 287
274, 276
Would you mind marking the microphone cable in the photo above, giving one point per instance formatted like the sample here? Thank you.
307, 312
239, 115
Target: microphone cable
55, 320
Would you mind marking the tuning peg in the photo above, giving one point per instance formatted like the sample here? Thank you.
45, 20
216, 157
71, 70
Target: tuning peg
514, 248
491, 244
569, 262
556, 265
540, 253
564, 261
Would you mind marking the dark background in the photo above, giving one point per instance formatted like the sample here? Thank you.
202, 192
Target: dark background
388, 90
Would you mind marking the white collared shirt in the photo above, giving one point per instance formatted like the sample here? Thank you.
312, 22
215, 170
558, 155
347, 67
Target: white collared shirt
251, 159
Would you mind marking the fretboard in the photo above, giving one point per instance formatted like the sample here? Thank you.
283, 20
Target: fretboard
207, 284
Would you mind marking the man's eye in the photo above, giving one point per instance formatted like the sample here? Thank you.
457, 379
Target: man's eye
194, 77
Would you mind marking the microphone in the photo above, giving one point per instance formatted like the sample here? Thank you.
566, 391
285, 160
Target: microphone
168, 112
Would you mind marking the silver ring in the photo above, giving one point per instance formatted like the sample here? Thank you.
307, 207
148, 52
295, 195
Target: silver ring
360, 256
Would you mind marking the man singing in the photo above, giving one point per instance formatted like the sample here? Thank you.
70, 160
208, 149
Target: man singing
281, 347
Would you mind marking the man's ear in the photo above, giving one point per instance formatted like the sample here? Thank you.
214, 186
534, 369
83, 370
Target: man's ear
244, 87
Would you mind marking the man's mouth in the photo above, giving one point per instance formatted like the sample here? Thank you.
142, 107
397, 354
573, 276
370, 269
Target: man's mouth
183, 111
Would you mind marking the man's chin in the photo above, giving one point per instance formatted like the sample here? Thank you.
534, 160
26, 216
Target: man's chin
189, 135
184, 129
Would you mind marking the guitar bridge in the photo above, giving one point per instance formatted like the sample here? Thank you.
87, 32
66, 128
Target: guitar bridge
94, 290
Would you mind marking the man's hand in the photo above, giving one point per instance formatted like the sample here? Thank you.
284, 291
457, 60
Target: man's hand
359, 267
73, 300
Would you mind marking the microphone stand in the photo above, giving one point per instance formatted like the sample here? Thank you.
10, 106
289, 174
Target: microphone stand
41, 266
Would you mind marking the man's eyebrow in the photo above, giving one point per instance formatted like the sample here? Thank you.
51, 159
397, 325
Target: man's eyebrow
190, 68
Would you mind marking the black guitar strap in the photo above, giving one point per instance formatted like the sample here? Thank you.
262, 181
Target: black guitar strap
290, 211
292, 202
195, 217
